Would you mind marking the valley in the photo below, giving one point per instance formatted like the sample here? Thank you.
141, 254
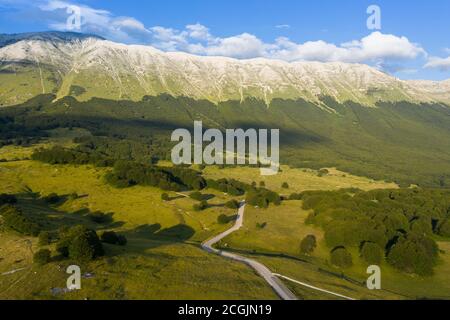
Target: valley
87, 176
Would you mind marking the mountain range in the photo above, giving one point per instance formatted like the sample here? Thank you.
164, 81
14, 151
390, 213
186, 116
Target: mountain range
88, 66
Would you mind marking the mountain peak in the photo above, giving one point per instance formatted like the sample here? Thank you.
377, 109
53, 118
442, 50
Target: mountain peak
8, 39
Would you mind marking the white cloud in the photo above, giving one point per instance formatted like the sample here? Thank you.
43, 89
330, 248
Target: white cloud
384, 51
442, 64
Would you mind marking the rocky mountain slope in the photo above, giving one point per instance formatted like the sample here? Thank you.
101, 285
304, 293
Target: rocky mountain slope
88, 66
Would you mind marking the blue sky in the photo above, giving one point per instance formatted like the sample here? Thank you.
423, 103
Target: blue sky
413, 41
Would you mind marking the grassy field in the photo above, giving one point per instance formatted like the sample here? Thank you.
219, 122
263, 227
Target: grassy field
299, 180
278, 246
163, 259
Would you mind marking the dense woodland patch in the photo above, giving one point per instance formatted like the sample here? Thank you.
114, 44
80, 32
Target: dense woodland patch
400, 226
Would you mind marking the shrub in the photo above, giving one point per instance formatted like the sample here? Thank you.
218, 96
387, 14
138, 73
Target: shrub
322, 173
233, 204
165, 197
200, 206
42, 257
262, 184
80, 244
196, 196
285, 185
113, 238
223, 219
308, 244
44, 238
261, 225
444, 228
372, 253
341, 258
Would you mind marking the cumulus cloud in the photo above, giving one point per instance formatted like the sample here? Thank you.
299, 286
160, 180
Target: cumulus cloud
385, 51
442, 64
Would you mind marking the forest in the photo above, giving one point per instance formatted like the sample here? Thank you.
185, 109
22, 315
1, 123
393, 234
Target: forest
399, 226
403, 142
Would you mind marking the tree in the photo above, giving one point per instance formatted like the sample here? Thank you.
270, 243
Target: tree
372, 253
223, 219
323, 172
444, 228
308, 244
165, 197
196, 196
285, 185
42, 257
262, 184
80, 244
232, 204
341, 258
44, 238
200, 206
414, 253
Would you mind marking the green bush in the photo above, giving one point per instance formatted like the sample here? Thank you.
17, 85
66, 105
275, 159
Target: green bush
165, 197
200, 206
232, 204
80, 244
285, 185
44, 238
308, 244
196, 196
444, 228
42, 257
372, 253
223, 219
341, 258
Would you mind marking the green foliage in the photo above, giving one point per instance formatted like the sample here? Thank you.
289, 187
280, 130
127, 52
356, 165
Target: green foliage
224, 219
341, 258
200, 206
14, 219
414, 253
261, 225
232, 204
111, 237
372, 253
285, 185
42, 257
131, 127
165, 197
308, 244
197, 196
444, 228
44, 238
353, 218
80, 244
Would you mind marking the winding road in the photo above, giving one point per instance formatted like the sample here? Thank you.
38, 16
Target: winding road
273, 279
282, 291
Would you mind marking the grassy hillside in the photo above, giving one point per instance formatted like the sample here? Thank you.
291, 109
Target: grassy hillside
403, 142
